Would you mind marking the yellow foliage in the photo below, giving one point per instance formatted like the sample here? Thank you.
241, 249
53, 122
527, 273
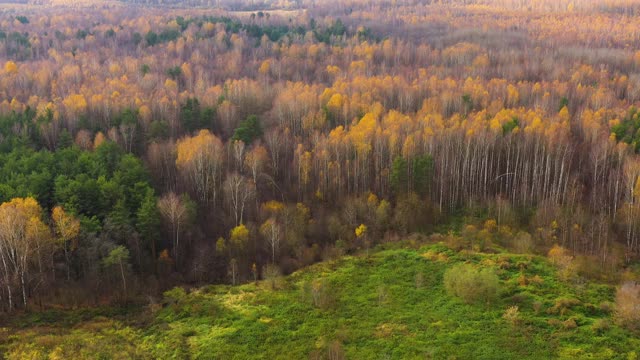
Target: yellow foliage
265, 67
22, 218
372, 199
191, 148
66, 226
75, 103
490, 225
557, 252
98, 140
333, 70
10, 67
361, 230
145, 113
171, 85
273, 206
335, 103
239, 235
362, 132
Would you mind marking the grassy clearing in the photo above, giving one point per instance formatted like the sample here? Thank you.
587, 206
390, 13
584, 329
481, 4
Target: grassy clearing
390, 305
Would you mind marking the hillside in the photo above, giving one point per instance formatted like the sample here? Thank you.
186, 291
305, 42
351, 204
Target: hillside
391, 304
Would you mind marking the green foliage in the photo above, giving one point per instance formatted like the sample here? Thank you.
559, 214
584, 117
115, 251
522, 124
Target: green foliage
627, 130
174, 72
65, 140
422, 174
145, 69
467, 102
18, 45
337, 29
136, 38
399, 175
81, 34
564, 102
275, 33
89, 184
158, 130
193, 117
117, 256
128, 116
510, 125
149, 220
371, 305
24, 120
248, 130
152, 38
22, 19
471, 284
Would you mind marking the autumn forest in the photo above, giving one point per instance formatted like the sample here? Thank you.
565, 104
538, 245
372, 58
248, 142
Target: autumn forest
151, 144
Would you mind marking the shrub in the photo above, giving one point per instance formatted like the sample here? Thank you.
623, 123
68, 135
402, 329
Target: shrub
601, 325
562, 305
560, 257
335, 351
569, 324
175, 295
320, 293
272, 276
554, 322
522, 243
419, 278
536, 279
537, 306
512, 315
606, 307
472, 285
627, 311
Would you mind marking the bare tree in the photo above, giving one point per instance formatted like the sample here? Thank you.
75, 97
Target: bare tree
174, 211
238, 190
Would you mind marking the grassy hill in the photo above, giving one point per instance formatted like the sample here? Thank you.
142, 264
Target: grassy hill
391, 304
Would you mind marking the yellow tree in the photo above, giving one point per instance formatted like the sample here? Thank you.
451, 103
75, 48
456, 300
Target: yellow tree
75, 106
255, 161
239, 236
22, 235
66, 228
10, 67
200, 162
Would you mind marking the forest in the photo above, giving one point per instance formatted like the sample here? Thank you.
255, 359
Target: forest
146, 145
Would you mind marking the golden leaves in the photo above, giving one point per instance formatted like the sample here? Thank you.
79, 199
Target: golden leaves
66, 226
10, 67
239, 235
75, 104
193, 148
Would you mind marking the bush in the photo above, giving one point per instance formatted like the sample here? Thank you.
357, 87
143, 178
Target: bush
175, 295
512, 315
272, 276
569, 324
472, 285
321, 293
600, 326
537, 306
562, 305
627, 311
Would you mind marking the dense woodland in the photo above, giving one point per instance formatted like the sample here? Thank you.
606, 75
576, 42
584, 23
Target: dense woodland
142, 148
